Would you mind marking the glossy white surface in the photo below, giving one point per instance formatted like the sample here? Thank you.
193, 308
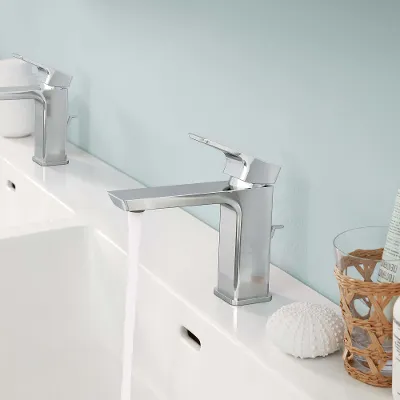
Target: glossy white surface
22, 201
176, 368
61, 307
17, 117
178, 267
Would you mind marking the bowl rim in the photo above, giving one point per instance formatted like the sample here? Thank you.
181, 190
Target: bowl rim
396, 260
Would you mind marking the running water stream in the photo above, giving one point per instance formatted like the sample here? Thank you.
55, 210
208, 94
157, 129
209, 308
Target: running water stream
134, 224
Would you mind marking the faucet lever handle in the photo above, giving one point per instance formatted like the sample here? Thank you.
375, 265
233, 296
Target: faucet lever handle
243, 167
274, 228
54, 78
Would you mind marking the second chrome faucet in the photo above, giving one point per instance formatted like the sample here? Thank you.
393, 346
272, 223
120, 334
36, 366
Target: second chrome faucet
245, 230
51, 113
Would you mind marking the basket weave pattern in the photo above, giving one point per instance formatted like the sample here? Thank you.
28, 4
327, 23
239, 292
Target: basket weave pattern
376, 296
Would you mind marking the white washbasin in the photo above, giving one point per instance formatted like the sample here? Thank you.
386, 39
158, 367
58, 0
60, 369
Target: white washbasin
180, 355
23, 202
61, 307
63, 289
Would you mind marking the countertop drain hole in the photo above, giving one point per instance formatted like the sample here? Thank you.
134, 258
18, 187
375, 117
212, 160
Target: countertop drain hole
11, 185
191, 338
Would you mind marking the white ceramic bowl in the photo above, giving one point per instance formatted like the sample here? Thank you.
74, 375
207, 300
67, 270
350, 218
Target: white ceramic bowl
17, 118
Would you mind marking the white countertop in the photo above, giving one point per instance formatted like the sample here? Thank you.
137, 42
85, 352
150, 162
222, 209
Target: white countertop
186, 263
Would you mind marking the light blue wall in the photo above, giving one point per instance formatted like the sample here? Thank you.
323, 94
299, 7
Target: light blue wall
311, 85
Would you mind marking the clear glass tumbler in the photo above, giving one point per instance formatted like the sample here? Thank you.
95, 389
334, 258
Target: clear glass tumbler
358, 256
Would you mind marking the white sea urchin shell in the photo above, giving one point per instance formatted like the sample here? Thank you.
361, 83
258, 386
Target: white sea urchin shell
306, 330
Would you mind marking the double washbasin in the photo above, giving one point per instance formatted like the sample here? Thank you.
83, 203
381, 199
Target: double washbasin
65, 277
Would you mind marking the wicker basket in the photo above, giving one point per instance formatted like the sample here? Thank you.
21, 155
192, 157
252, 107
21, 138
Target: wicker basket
375, 297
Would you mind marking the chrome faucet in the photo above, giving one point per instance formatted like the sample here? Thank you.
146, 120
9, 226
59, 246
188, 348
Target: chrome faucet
245, 229
51, 113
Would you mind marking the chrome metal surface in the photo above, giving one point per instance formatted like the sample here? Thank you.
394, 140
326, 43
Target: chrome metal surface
243, 167
242, 302
54, 77
245, 230
51, 114
274, 228
71, 118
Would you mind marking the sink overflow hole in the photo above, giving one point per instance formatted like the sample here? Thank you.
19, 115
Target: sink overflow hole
191, 338
11, 185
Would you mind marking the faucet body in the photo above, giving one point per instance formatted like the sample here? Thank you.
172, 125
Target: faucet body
51, 137
51, 115
245, 229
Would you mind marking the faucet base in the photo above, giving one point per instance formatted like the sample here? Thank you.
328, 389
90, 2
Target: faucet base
243, 302
43, 163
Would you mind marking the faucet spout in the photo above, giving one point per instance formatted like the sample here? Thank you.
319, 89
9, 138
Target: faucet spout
23, 93
196, 194
29, 93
